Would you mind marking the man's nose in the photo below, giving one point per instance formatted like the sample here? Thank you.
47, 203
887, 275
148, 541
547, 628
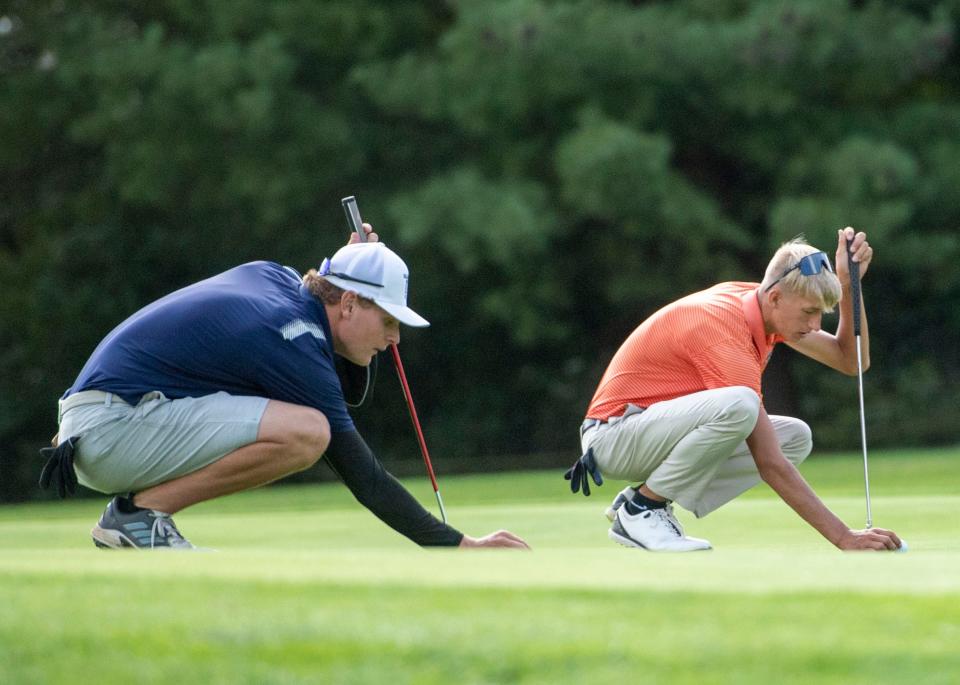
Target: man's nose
393, 334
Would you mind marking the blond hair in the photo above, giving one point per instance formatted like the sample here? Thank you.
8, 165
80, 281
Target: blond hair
823, 287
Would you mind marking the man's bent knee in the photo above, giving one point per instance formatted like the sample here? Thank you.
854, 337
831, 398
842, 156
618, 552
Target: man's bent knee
303, 431
311, 439
743, 405
798, 443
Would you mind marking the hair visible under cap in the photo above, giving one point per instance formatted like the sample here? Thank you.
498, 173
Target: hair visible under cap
327, 292
823, 287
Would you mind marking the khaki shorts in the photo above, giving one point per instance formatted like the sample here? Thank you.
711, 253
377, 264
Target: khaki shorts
126, 448
692, 449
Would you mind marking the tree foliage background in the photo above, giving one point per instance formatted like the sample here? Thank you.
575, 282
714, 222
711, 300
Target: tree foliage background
552, 172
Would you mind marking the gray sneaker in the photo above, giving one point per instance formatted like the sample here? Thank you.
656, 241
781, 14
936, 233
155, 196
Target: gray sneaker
143, 529
622, 497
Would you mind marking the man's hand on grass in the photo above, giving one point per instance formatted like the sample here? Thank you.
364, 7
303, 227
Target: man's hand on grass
869, 539
502, 538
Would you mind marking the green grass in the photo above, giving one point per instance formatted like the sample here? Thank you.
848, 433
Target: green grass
307, 587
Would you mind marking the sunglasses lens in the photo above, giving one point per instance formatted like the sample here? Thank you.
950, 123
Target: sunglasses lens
813, 264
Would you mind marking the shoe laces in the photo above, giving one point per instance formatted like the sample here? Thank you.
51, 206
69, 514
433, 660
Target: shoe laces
673, 519
163, 529
665, 516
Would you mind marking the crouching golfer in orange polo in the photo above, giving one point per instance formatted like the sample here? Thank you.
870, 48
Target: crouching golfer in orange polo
679, 409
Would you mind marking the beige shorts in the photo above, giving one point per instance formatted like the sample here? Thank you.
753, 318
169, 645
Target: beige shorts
692, 449
126, 448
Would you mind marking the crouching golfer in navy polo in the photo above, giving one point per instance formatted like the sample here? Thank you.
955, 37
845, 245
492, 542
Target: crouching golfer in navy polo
229, 384
679, 408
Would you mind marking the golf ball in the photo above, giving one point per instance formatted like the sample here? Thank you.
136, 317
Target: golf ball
903, 545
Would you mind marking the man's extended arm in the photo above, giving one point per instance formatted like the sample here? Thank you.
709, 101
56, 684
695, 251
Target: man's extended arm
781, 475
377, 490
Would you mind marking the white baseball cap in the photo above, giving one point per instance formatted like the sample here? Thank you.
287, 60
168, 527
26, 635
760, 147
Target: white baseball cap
373, 271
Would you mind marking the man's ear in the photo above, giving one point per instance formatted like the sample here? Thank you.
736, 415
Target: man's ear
348, 303
774, 295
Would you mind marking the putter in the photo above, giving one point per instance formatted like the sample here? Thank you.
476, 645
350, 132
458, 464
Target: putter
854, 268
356, 224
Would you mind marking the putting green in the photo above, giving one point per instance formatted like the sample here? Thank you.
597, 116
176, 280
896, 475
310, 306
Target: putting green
308, 587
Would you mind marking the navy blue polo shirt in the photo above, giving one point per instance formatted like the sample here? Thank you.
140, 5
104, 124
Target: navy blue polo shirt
252, 330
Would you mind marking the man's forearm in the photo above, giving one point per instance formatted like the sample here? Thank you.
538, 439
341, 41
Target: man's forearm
787, 482
383, 495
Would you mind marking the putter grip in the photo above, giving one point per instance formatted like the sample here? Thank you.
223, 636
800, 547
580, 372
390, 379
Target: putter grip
854, 268
353, 216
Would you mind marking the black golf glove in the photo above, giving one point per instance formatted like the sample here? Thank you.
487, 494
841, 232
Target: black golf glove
577, 474
59, 467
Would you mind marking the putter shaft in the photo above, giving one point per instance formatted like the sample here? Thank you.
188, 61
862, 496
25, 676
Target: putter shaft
854, 268
863, 434
416, 425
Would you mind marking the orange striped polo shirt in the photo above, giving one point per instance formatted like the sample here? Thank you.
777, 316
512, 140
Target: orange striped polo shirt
710, 339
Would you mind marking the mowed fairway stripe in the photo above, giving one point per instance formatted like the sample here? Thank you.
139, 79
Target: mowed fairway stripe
761, 547
98, 630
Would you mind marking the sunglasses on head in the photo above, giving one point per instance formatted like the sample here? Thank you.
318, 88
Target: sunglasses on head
325, 271
810, 265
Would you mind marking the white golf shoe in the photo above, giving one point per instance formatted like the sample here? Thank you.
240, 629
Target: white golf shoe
656, 530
